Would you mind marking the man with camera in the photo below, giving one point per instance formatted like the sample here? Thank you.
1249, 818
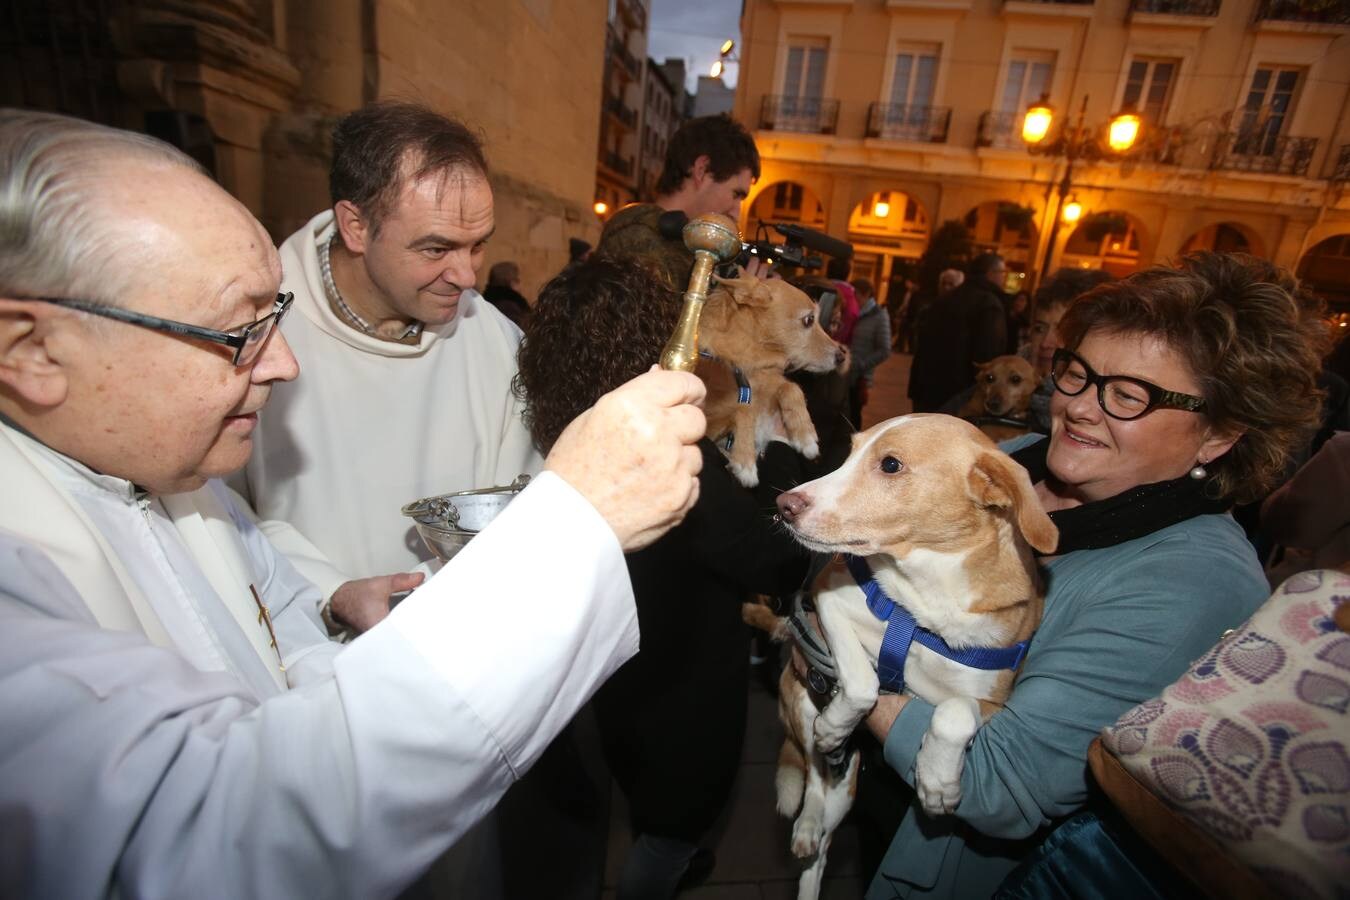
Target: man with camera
710, 164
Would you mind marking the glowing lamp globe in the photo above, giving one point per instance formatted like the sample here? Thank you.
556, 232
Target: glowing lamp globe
1072, 212
1124, 131
1036, 125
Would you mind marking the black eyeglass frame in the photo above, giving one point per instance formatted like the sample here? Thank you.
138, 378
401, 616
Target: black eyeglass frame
1158, 398
236, 338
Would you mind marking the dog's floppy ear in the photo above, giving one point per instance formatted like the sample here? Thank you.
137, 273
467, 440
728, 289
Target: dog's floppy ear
748, 291
745, 290
995, 480
736, 285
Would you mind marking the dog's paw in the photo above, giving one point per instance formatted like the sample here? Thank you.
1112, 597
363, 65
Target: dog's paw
746, 475
806, 834
937, 778
830, 737
811, 449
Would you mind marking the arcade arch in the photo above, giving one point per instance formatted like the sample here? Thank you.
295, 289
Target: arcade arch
1008, 229
1225, 237
1325, 269
889, 232
1109, 240
785, 201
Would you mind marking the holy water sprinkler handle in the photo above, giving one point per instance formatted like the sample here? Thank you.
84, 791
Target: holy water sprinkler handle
714, 239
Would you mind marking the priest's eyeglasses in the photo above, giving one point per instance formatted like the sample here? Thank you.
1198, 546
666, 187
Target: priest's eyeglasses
247, 341
1120, 396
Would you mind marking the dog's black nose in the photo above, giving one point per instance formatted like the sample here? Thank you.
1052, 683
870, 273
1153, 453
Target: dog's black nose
791, 505
838, 356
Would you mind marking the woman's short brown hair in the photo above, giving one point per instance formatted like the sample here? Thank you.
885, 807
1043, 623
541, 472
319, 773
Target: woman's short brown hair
1250, 337
596, 325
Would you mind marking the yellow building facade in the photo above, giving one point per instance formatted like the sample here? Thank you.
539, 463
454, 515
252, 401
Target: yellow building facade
878, 120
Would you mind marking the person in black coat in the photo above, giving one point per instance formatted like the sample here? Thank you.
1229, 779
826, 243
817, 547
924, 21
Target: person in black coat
672, 719
503, 292
966, 327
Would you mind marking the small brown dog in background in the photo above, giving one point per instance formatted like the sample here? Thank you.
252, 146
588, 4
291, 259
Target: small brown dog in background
763, 328
1003, 390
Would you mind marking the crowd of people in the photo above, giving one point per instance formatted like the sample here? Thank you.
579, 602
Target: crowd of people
207, 687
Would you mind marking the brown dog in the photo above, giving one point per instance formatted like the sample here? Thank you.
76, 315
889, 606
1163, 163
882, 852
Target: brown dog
1003, 390
763, 329
946, 525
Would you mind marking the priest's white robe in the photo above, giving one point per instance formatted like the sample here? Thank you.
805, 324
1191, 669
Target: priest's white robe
371, 425
139, 756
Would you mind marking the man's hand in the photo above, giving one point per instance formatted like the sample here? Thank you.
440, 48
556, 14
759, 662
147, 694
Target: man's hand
632, 455
883, 715
361, 603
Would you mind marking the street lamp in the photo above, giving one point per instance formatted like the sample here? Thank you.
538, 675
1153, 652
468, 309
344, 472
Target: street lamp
724, 56
1075, 142
1072, 211
1037, 123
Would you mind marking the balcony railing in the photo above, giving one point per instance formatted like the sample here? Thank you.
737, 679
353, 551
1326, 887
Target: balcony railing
1342, 171
1177, 7
621, 164
621, 111
1000, 129
1265, 153
810, 115
627, 60
634, 13
898, 122
1330, 12
1164, 146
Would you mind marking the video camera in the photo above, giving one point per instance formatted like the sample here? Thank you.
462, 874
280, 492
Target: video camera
791, 252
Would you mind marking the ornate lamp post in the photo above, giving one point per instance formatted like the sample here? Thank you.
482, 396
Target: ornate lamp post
1074, 142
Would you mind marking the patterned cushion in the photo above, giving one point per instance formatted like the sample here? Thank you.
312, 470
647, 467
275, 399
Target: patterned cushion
1251, 744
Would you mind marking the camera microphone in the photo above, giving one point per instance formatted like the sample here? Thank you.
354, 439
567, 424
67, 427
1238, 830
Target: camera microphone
815, 240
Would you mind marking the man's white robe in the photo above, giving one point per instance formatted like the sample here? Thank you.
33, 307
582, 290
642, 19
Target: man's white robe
371, 425
134, 765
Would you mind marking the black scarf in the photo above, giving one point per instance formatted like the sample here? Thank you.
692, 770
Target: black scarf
1128, 515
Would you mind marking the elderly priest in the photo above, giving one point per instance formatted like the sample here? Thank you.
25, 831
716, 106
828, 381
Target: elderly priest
173, 721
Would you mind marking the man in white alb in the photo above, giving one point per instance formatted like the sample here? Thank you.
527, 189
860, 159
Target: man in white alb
408, 370
173, 720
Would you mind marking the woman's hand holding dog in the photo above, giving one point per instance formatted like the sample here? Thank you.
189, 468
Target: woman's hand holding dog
633, 455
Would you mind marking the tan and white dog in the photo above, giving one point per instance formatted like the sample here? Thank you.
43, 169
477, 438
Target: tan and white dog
946, 523
763, 328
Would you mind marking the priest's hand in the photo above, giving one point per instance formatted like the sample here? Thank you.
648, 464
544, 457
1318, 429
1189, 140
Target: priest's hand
632, 455
362, 603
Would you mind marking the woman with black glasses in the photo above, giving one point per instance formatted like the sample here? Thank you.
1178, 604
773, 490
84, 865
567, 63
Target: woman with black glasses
1178, 392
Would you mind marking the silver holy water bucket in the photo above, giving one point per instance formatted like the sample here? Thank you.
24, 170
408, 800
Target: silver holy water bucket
446, 522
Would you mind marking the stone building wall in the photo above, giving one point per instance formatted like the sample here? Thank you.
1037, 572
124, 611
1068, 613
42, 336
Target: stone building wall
524, 73
251, 88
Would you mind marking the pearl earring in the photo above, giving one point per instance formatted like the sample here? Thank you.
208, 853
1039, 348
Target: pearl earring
1199, 472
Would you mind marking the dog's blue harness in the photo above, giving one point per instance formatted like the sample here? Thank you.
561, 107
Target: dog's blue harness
902, 631
742, 392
